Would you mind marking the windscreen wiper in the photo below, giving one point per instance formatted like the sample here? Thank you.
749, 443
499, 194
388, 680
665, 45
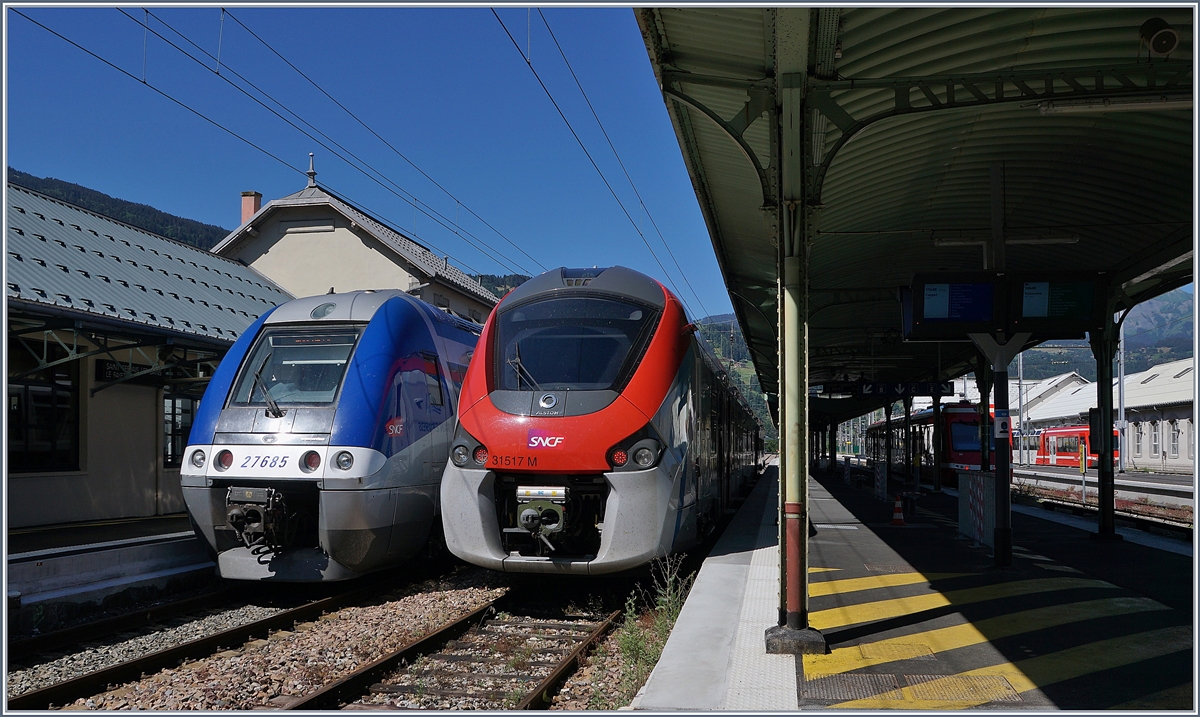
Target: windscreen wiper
520, 369
273, 408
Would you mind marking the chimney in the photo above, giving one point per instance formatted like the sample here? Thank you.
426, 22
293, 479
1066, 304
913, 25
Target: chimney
251, 203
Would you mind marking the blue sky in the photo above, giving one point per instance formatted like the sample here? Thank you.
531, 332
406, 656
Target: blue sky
444, 86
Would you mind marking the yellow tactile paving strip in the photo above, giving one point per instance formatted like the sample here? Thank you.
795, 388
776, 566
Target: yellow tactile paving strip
833, 676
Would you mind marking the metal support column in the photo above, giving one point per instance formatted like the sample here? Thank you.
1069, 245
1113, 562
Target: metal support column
938, 455
887, 444
983, 380
1103, 347
999, 353
908, 441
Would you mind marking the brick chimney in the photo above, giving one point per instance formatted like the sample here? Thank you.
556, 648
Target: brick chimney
251, 203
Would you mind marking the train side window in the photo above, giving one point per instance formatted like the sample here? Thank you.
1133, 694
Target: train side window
433, 381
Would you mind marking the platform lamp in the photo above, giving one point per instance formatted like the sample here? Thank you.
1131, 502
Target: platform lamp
1158, 35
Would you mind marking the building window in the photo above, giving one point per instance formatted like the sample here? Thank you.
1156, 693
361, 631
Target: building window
1173, 441
178, 413
1154, 439
1137, 439
1191, 429
43, 410
441, 301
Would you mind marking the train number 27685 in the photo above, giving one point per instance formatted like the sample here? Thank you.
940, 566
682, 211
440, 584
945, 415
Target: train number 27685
514, 461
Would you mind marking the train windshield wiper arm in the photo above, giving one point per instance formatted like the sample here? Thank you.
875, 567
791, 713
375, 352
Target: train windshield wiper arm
520, 369
273, 408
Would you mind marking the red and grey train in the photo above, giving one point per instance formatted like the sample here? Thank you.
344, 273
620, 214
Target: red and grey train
596, 430
1058, 446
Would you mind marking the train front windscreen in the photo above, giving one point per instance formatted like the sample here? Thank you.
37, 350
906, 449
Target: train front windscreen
577, 343
295, 366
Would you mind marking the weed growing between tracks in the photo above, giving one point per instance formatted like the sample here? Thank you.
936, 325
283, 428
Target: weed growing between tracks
1142, 507
620, 665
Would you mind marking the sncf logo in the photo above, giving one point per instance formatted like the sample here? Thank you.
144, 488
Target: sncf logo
539, 439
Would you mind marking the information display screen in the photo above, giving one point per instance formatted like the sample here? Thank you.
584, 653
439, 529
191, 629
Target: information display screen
1058, 300
960, 302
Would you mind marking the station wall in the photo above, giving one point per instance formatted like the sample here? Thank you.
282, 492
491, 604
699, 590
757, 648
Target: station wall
108, 457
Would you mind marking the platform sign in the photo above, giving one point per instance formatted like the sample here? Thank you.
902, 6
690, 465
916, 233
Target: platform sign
947, 307
904, 389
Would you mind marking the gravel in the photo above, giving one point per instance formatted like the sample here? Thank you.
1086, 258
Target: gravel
270, 673
97, 656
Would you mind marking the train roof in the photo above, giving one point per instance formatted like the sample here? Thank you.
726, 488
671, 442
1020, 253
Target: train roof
616, 280
357, 306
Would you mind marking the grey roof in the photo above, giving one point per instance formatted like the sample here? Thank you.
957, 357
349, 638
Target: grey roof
65, 257
425, 260
896, 198
1167, 384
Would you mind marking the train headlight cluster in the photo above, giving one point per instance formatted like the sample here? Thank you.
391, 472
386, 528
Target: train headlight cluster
344, 460
460, 455
224, 460
481, 455
198, 459
638, 452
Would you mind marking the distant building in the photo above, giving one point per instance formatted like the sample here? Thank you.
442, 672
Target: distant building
1159, 410
313, 240
113, 333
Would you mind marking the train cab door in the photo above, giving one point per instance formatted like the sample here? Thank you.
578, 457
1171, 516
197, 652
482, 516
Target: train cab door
1052, 445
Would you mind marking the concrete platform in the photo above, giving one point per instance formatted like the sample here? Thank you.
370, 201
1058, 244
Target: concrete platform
917, 618
59, 573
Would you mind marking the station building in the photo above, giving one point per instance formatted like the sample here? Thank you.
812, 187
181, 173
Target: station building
112, 334
313, 241
1159, 411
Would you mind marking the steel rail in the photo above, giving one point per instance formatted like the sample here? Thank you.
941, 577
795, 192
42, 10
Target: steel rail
93, 683
357, 683
540, 697
51, 641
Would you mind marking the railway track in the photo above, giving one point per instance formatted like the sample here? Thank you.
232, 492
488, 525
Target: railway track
21, 648
490, 659
98, 681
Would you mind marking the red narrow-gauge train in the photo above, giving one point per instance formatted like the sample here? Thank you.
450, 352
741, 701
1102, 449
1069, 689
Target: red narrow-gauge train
596, 431
960, 425
1059, 446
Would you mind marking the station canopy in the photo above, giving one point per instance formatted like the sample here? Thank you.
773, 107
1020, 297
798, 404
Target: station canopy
884, 128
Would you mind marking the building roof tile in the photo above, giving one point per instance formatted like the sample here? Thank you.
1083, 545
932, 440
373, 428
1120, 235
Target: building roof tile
63, 256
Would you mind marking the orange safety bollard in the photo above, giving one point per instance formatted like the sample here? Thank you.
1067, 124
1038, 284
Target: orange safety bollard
898, 513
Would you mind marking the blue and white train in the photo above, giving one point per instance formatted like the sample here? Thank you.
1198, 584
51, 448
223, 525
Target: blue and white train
318, 449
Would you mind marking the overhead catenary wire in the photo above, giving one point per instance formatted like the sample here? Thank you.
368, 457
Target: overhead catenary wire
182, 104
438, 218
387, 144
588, 154
633, 186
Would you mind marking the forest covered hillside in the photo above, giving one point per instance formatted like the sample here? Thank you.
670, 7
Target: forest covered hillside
142, 216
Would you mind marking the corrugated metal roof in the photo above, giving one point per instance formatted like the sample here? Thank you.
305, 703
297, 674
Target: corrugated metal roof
424, 259
1168, 384
62, 256
1121, 182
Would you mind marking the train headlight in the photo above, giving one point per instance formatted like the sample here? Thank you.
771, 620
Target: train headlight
618, 457
344, 460
481, 455
310, 461
198, 459
224, 460
460, 455
644, 457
